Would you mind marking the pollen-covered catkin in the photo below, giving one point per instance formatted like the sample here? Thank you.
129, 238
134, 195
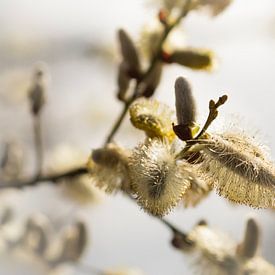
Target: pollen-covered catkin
153, 117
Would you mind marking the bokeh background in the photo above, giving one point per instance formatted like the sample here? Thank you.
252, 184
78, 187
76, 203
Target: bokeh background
77, 41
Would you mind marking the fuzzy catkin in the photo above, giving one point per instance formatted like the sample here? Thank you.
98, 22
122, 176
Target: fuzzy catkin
153, 117
108, 168
158, 180
239, 170
213, 252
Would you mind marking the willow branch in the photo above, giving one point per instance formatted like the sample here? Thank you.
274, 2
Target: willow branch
155, 59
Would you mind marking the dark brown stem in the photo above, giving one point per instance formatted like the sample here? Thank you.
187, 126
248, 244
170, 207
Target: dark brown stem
173, 228
213, 113
53, 178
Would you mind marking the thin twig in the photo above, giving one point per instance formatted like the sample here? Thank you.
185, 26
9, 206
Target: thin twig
213, 113
173, 228
155, 59
38, 144
118, 122
53, 178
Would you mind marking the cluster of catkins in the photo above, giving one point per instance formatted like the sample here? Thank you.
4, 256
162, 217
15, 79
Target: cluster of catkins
181, 162
214, 253
37, 240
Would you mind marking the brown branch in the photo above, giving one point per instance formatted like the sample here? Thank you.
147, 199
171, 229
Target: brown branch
38, 145
53, 178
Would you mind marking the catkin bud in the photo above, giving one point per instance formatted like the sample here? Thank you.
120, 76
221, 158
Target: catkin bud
6, 216
37, 92
123, 82
75, 240
249, 246
129, 54
194, 59
151, 82
185, 109
36, 234
11, 162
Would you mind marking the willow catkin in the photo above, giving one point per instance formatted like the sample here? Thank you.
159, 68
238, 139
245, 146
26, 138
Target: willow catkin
150, 83
239, 170
108, 168
123, 81
195, 59
153, 117
158, 180
185, 103
249, 246
37, 232
185, 109
213, 253
129, 53
75, 240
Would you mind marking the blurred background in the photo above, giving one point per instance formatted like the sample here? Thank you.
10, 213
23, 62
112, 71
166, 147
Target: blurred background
77, 42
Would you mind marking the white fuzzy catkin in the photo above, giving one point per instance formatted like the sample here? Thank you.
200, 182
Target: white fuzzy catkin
213, 252
158, 180
238, 169
108, 167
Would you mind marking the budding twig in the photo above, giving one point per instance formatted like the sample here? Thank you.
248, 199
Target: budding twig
168, 28
37, 101
213, 113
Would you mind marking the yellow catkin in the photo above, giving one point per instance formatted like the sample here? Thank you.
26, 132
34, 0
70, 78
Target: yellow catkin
153, 117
